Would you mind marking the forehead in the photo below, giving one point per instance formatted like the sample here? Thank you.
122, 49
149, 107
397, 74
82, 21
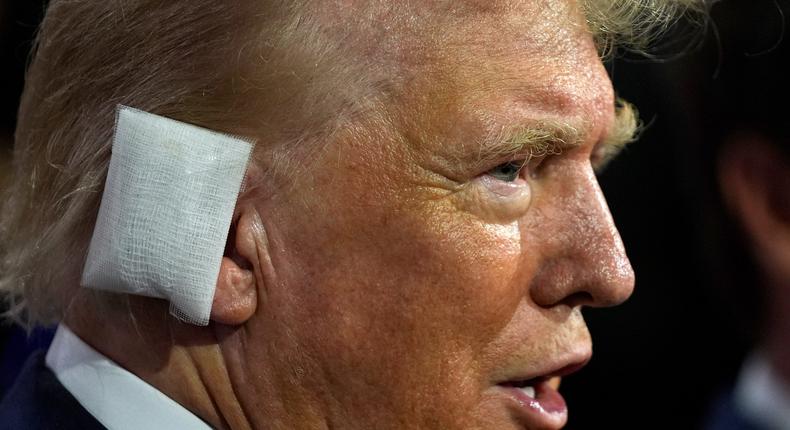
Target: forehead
411, 33
451, 72
487, 65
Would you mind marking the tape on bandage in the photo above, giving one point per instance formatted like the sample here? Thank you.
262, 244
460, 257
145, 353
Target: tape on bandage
165, 213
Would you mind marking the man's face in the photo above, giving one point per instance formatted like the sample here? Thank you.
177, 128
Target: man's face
417, 280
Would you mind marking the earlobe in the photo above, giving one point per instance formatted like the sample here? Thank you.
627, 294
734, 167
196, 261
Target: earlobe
236, 295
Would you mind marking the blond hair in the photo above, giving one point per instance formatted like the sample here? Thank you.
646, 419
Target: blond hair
204, 62
635, 24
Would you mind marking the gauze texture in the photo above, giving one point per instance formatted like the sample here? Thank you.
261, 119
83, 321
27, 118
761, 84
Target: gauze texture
165, 213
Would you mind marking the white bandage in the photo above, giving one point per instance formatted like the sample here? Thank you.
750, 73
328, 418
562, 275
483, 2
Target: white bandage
165, 214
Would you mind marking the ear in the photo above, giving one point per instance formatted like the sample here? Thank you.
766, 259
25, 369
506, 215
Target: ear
755, 182
236, 295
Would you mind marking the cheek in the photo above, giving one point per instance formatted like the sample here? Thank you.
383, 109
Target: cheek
395, 294
486, 261
399, 297
391, 258
443, 290
422, 273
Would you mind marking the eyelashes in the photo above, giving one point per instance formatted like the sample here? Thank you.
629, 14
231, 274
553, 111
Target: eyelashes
504, 192
512, 170
507, 172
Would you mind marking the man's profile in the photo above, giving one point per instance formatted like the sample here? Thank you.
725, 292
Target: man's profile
419, 229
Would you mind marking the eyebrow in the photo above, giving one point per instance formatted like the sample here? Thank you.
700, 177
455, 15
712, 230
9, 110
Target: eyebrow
547, 137
626, 128
537, 139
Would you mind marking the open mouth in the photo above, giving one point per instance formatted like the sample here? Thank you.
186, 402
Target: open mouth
536, 402
528, 387
540, 391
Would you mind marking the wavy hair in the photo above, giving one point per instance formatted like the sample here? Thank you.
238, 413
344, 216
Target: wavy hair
189, 60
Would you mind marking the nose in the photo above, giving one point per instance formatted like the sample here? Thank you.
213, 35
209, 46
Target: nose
586, 264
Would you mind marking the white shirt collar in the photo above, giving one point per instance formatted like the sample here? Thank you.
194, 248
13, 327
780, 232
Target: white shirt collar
118, 399
761, 396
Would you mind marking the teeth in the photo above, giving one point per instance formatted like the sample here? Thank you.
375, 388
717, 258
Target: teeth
530, 391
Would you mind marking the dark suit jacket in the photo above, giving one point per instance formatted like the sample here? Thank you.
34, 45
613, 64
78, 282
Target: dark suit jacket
38, 401
724, 416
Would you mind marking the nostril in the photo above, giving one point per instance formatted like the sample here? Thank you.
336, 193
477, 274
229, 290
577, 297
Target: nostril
581, 298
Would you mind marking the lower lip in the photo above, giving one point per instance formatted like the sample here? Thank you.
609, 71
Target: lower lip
547, 410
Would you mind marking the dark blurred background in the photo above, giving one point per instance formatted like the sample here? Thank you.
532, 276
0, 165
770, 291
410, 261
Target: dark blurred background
662, 357
18, 22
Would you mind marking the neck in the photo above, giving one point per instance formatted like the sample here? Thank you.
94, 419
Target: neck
182, 361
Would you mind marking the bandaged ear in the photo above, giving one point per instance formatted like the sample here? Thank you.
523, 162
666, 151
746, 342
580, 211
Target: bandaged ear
165, 213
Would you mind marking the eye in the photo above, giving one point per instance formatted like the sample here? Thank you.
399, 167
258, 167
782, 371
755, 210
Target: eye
507, 172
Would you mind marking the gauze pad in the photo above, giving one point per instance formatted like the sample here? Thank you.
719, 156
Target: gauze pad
165, 214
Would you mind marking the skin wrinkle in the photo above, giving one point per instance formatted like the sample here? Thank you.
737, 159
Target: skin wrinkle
426, 253
546, 137
394, 285
561, 100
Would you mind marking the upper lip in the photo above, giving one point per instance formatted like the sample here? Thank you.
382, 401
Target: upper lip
568, 364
